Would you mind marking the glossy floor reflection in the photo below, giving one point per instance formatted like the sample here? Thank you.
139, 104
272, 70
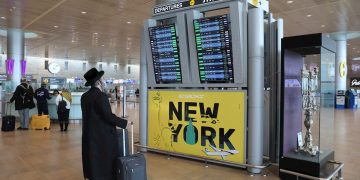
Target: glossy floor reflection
51, 155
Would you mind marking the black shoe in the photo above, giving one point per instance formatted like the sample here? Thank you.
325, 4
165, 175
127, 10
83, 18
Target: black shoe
25, 128
65, 129
61, 130
19, 128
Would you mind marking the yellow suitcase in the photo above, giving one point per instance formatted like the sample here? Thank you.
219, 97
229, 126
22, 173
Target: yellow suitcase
40, 122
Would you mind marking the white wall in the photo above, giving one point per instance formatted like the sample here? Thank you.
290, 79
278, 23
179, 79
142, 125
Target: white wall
36, 67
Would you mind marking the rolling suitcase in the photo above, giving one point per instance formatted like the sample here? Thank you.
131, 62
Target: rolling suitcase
40, 122
131, 167
8, 121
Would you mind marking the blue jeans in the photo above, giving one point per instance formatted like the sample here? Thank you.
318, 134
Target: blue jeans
24, 118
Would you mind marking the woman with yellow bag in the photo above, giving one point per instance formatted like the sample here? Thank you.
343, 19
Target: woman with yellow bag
63, 102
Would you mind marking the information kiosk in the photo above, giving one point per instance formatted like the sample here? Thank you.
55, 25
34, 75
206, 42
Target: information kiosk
202, 80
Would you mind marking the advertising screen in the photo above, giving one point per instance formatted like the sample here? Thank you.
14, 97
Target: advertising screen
165, 54
214, 50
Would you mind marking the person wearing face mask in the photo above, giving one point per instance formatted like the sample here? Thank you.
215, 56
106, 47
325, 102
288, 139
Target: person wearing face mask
99, 138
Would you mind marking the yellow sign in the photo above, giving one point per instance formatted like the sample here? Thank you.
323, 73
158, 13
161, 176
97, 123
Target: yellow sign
192, 2
255, 3
200, 123
343, 69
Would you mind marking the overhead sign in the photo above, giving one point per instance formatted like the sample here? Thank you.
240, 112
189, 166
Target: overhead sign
180, 5
343, 69
263, 4
354, 82
205, 124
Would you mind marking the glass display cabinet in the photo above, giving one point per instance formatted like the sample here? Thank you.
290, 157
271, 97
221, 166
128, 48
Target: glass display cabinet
307, 108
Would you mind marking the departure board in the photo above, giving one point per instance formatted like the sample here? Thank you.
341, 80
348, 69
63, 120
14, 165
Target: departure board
165, 54
214, 50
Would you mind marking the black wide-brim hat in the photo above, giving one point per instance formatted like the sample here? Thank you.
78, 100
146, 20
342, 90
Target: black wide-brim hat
92, 76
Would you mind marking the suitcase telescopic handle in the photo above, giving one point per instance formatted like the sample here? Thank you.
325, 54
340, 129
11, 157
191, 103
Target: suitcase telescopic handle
132, 137
7, 109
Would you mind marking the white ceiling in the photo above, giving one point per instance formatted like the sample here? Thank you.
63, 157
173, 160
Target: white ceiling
110, 30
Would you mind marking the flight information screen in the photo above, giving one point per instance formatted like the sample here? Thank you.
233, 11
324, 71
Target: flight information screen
214, 50
165, 54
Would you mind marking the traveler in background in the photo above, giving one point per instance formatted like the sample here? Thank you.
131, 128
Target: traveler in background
41, 96
56, 93
116, 93
137, 92
63, 102
24, 100
99, 138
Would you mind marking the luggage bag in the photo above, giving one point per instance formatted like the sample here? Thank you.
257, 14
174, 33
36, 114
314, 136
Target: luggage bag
8, 121
131, 167
123, 142
40, 122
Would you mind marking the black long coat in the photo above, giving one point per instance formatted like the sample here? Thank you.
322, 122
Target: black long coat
23, 102
99, 140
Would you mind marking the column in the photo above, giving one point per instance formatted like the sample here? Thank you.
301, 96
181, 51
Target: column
256, 47
143, 93
341, 66
15, 50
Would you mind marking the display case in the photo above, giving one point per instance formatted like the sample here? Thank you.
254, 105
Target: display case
307, 108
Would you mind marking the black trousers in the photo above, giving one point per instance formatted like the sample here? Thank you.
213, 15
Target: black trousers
42, 109
64, 119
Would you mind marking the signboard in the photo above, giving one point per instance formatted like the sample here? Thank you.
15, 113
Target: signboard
206, 124
263, 4
355, 82
180, 5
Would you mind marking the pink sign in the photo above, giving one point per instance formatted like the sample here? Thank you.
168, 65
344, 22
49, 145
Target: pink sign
9, 66
23, 67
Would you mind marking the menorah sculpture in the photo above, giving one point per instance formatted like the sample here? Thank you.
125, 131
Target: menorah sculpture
309, 89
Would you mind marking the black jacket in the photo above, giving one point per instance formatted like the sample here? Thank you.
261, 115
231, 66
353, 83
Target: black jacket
42, 95
23, 100
99, 139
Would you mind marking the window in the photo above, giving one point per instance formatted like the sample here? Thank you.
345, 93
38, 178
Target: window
84, 67
66, 65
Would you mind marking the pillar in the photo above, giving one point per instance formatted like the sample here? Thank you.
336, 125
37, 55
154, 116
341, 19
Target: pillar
15, 50
341, 66
256, 45
143, 93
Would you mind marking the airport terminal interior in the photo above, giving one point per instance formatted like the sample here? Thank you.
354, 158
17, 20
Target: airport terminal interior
216, 89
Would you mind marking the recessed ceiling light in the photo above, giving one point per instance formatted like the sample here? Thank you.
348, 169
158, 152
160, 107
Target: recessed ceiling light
83, 12
56, 26
309, 15
354, 48
290, 2
3, 17
348, 44
95, 33
322, 26
128, 48
103, 45
129, 22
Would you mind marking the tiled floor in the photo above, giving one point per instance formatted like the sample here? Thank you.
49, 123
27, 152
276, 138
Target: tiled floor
48, 155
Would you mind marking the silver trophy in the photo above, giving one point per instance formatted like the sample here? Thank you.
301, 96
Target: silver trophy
309, 89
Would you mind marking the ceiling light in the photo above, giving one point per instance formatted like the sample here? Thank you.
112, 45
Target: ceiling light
103, 45
56, 26
309, 15
3, 17
83, 12
290, 2
129, 22
322, 26
354, 48
95, 33
128, 48
348, 44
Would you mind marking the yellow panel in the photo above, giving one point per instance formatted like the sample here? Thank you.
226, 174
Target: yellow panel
215, 118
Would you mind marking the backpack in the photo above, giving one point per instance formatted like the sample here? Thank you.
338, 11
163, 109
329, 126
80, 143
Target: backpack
27, 92
62, 106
